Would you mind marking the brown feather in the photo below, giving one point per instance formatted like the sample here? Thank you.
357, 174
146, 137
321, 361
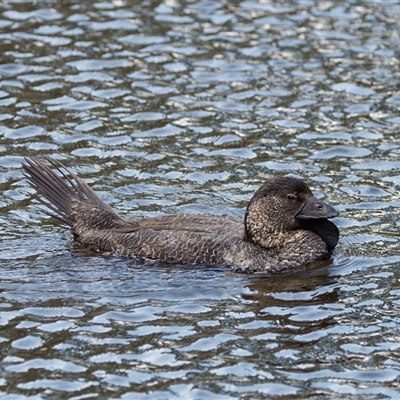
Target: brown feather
271, 239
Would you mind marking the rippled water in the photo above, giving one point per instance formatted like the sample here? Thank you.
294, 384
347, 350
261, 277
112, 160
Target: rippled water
187, 107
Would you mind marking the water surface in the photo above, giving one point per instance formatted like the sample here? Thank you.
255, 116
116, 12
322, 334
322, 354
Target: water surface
187, 107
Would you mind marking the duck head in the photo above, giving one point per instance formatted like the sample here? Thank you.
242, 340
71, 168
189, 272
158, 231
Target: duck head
285, 204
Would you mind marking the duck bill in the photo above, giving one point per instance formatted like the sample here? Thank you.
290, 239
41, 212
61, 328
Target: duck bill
316, 209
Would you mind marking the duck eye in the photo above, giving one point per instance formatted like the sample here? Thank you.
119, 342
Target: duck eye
291, 197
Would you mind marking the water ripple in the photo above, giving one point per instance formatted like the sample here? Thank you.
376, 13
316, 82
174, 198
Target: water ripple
188, 107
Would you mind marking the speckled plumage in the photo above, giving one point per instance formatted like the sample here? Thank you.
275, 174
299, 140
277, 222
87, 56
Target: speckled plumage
285, 226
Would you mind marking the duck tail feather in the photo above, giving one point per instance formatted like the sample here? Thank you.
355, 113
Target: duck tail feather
83, 190
55, 193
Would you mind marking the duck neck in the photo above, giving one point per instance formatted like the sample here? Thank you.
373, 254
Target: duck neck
257, 232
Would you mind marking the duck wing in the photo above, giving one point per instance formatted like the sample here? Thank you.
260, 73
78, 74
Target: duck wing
184, 222
172, 239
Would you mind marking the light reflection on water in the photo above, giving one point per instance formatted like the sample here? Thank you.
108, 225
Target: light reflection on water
167, 107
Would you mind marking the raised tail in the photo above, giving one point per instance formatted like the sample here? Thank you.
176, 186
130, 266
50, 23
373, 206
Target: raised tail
64, 194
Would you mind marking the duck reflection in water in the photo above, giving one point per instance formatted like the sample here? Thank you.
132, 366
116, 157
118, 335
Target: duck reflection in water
285, 226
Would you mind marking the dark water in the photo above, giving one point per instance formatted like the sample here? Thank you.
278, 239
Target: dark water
187, 107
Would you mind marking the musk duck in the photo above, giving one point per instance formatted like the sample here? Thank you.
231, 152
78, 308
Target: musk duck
285, 227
